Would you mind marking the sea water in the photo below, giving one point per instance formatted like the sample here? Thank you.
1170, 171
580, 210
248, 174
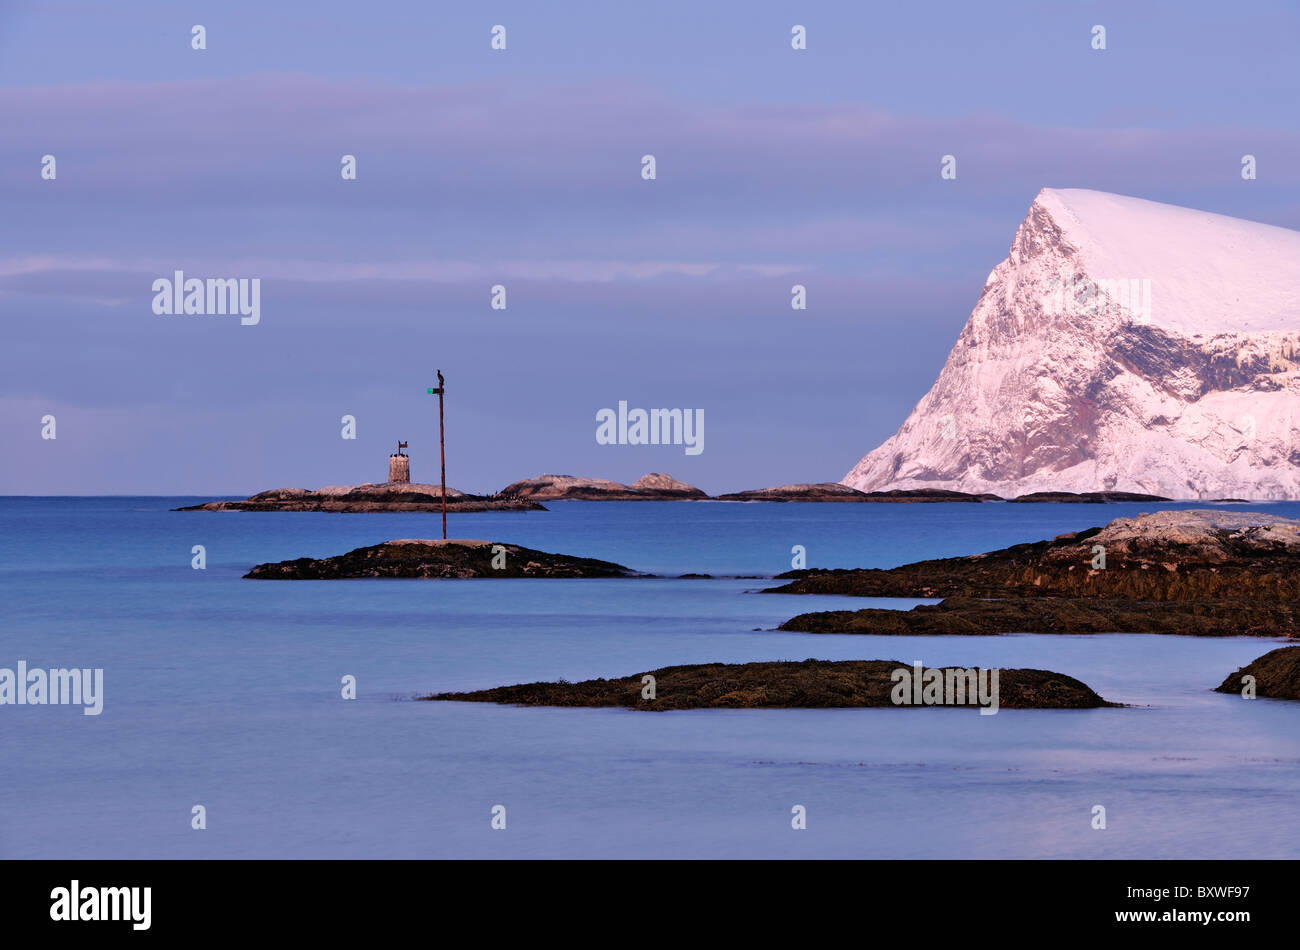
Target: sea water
227, 694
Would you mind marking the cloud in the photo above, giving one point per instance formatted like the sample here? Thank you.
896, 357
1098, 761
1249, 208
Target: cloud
494, 172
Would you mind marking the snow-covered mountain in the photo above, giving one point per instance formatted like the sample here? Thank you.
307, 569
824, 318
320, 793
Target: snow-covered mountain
1123, 345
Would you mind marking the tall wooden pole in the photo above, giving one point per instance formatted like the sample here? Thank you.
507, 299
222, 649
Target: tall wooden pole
442, 449
442, 452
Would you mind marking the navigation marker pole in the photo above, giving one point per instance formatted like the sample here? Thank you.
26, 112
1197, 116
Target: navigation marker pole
441, 448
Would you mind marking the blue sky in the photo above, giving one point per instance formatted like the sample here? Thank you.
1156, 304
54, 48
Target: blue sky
522, 167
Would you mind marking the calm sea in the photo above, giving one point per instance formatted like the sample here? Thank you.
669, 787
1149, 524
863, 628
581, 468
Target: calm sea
225, 693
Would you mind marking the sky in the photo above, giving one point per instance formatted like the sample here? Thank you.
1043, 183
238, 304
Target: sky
522, 167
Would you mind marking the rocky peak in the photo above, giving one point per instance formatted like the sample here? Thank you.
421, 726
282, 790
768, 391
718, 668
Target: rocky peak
1122, 345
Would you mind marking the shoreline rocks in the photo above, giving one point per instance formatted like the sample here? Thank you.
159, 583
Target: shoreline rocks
810, 684
1276, 673
438, 558
1197, 572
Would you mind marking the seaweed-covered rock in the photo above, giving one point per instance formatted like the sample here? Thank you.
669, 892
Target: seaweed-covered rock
1276, 673
1046, 614
455, 557
781, 684
1167, 556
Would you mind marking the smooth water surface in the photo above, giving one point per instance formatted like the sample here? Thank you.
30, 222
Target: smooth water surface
226, 692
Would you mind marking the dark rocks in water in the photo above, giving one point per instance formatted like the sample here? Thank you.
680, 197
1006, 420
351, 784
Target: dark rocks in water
386, 496
815, 684
835, 492
821, 491
1277, 675
1089, 497
1048, 614
1193, 555
421, 558
654, 486
1202, 573
929, 495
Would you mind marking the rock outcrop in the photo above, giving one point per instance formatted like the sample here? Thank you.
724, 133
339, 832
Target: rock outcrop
1166, 556
1210, 573
423, 558
1277, 675
836, 492
972, 616
370, 497
654, 486
1092, 497
811, 684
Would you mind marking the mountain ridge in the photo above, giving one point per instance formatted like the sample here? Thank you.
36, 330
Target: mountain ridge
1122, 345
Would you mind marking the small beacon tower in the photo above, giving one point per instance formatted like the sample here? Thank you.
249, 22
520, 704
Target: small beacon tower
399, 466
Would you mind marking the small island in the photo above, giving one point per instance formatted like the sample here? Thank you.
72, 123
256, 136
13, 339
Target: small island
399, 493
1197, 572
837, 492
1088, 497
360, 499
438, 558
654, 486
810, 684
